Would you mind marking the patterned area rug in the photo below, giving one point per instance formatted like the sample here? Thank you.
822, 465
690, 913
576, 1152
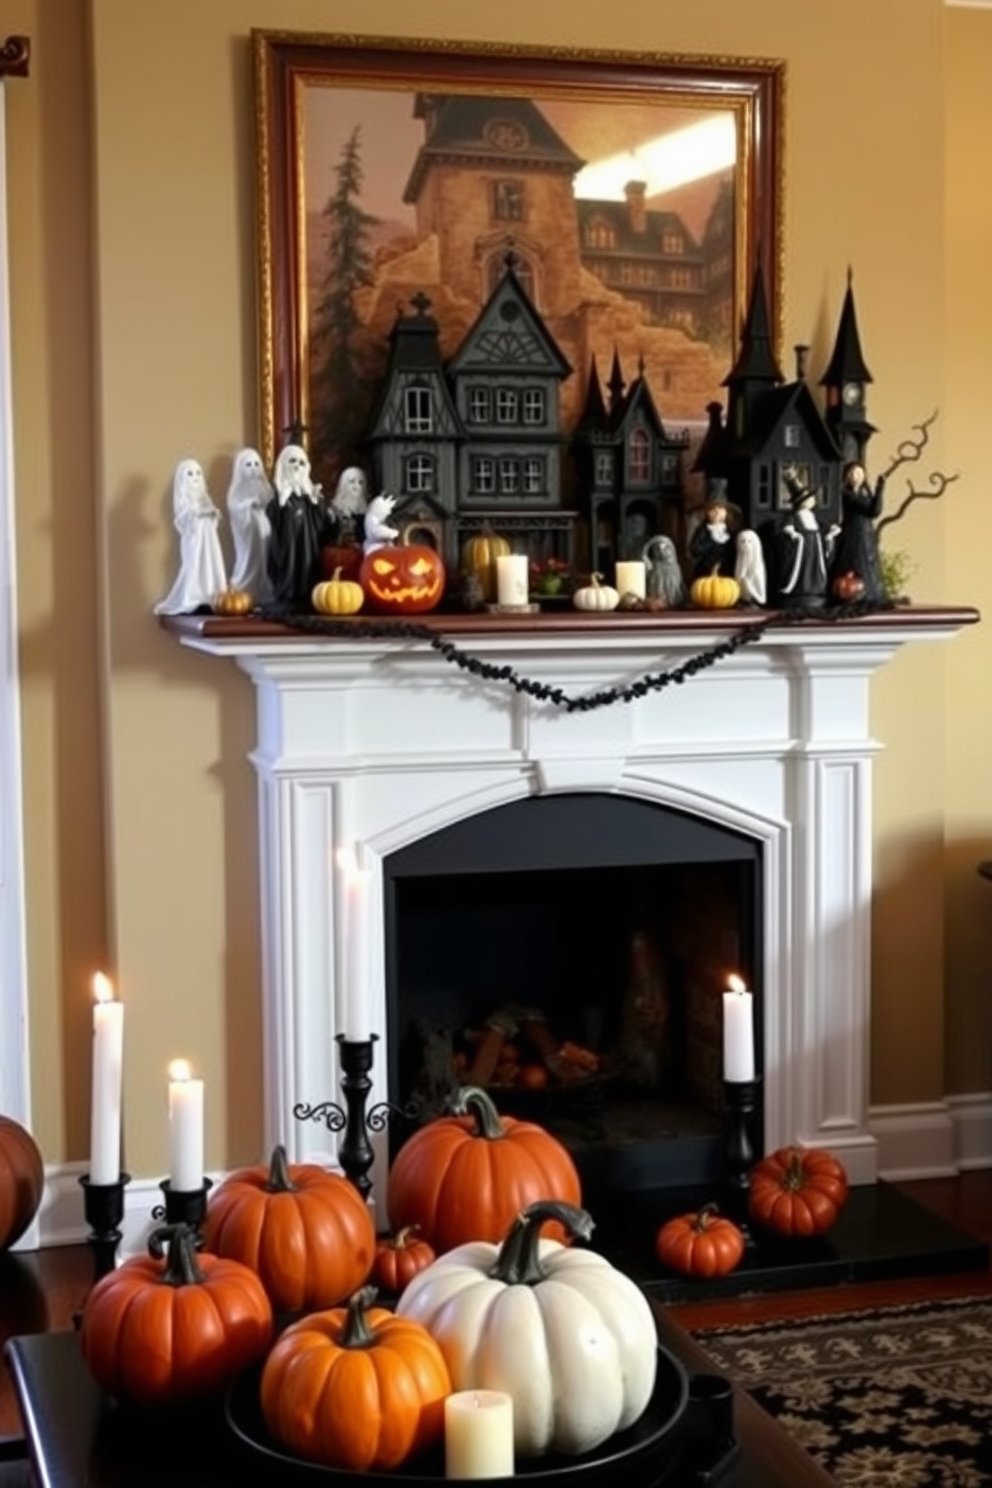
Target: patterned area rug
900, 1397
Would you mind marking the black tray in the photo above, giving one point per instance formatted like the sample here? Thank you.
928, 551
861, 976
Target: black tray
640, 1457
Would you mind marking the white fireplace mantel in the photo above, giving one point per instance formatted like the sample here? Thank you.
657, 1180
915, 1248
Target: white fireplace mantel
373, 743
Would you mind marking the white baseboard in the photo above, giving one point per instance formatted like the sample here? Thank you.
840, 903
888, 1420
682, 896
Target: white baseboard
931, 1139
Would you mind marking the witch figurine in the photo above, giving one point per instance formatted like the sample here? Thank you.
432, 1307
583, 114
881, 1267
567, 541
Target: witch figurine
857, 546
805, 550
301, 526
202, 574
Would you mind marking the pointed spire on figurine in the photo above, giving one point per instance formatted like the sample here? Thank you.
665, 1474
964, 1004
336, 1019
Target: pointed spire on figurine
616, 383
847, 364
594, 410
756, 360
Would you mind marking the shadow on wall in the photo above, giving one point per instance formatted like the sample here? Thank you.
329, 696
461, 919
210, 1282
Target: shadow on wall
968, 965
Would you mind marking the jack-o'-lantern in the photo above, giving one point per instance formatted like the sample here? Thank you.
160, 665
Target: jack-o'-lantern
405, 580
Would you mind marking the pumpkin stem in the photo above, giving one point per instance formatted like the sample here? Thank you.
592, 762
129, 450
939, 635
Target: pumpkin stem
519, 1261
702, 1219
401, 1239
472, 1101
177, 1242
279, 1180
795, 1179
356, 1332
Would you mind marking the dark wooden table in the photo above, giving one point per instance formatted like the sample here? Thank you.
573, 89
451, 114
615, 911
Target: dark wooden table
75, 1438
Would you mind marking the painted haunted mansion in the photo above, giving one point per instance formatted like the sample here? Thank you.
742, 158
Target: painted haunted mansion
558, 413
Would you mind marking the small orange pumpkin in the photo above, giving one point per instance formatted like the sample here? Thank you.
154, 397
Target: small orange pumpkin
174, 1324
306, 1232
703, 1244
399, 1257
849, 587
357, 1388
233, 602
406, 580
798, 1191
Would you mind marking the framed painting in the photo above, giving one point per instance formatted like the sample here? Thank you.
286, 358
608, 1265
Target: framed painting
632, 196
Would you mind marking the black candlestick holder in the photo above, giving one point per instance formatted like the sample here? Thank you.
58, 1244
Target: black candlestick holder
355, 1152
741, 1103
181, 1206
103, 1207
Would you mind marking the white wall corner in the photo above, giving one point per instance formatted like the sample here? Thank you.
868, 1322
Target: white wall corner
914, 1141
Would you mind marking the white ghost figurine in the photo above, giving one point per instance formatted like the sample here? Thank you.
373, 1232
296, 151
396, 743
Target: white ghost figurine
749, 567
350, 500
248, 495
202, 575
378, 531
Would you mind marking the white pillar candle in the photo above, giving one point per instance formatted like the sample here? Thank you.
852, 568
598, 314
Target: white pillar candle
107, 1078
738, 1032
478, 1434
512, 571
355, 934
632, 578
185, 1128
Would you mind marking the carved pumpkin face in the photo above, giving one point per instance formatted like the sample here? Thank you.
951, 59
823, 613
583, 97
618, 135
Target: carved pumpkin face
403, 580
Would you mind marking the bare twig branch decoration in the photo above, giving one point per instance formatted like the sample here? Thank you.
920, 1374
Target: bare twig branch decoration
908, 452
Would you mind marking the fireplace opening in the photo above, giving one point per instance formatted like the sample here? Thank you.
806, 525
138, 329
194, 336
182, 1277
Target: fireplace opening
567, 954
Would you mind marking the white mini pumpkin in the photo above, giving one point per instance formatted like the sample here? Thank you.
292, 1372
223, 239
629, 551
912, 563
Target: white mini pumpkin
596, 595
558, 1328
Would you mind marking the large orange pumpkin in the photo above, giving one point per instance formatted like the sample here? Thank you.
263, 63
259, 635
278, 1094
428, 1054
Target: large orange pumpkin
402, 580
798, 1191
173, 1324
356, 1388
307, 1233
468, 1176
22, 1180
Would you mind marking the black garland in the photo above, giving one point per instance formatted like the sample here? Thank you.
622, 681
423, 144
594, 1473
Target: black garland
651, 682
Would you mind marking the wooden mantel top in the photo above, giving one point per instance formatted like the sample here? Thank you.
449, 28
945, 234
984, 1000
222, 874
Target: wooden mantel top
562, 622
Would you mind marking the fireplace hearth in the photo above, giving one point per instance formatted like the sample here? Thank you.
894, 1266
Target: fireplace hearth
378, 746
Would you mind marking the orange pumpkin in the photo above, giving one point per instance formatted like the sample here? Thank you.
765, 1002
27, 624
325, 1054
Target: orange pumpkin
849, 587
306, 1232
468, 1176
798, 1191
704, 1244
399, 1257
402, 580
22, 1180
174, 1324
356, 1388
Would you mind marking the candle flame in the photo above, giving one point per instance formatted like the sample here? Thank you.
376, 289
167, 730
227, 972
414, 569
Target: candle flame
180, 1069
103, 990
736, 984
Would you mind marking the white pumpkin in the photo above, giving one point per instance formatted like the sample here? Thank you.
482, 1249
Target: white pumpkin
596, 595
559, 1329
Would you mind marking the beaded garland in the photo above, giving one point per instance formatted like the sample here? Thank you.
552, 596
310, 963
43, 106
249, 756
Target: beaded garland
747, 635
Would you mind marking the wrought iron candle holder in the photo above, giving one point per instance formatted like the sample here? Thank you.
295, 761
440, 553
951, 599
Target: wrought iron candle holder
741, 1103
187, 1207
103, 1207
355, 1152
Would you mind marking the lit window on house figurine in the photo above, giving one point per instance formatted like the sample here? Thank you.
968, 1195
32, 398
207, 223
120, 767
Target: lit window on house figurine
418, 411
509, 477
479, 405
604, 467
484, 475
639, 455
791, 436
507, 406
533, 405
534, 482
419, 474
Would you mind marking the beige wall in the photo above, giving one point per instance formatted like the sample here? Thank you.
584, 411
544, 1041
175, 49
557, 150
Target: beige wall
134, 327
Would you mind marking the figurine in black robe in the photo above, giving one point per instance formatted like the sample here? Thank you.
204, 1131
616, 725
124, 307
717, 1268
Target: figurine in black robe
712, 549
857, 545
805, 552
301, 525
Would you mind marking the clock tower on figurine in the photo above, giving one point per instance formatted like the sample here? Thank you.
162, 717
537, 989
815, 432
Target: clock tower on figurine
845, 382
